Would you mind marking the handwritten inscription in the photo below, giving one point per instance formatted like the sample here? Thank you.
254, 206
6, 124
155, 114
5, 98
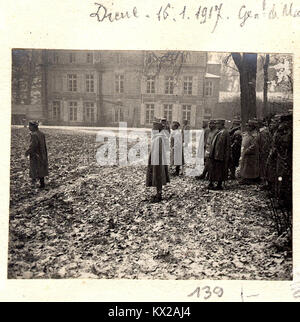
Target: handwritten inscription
213, 15
206, 292
103, 13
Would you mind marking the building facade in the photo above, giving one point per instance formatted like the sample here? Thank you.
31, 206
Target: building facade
103, 88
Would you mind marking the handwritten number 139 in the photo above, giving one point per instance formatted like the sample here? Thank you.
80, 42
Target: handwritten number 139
164, 12
207, 292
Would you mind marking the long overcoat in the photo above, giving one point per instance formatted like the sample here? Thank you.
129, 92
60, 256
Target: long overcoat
38, 155
219, 156
176, 157
157, 170
264, 140
249, 167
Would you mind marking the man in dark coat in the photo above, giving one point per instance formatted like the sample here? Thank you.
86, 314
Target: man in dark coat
249, 165
284, 146
264, 140
271, 160
38, 154
176, 147
236, 143
219, 156
207, 145
157, 171
185, 132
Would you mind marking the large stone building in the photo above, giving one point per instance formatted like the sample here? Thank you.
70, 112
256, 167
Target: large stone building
103, 88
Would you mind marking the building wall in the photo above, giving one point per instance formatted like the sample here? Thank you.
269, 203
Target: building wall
112, 106
60, 66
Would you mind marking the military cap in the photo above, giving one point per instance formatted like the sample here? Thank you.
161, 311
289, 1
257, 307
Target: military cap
34, 123
222, 121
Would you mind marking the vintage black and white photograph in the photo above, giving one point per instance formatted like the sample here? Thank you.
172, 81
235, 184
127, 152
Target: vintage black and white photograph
151, 165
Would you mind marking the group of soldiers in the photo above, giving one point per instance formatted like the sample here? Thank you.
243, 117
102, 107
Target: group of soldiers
259, 153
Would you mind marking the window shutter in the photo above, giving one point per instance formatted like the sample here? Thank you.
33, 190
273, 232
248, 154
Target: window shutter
160, 84
65, 83
195, 85
143, 114
95, 83
81, 83
193, 115
144, 85
179, 86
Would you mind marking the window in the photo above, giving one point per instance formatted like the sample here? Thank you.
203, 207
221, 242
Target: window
150, 84
188, 85
149, 113
89, 58
56, 110
119, 115
118, 58
55, 58
73, 111
72, 83
89, 83
119, 83
168, 112
72, 57
208, 90
186, 112
169, 85
89, 112
207, 110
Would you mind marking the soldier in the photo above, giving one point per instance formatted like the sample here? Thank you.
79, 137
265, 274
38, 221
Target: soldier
165, 124
264, 143
271, 160
249, 164
219, 156
283, 142
38, 155
157, 171
176, 147
185, 132
236, 142
207, 144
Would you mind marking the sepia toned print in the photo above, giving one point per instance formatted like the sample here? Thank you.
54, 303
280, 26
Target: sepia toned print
87, 199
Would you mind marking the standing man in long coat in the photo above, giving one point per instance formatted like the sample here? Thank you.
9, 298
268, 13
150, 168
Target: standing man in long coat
207, 146
185, 132
264, 140
249, 166
219, 156
157, 171
236, 143
38, 154
176, 147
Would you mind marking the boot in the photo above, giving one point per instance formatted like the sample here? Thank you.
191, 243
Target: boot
211, 186
42, 183
219, 187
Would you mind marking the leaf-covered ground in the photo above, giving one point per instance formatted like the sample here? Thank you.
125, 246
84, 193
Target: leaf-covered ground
97, 222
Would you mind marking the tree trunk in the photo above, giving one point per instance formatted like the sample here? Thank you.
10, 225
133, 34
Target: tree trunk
247, 66
266, 80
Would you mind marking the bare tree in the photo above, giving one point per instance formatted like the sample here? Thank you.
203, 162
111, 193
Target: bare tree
172, 61
25, 70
